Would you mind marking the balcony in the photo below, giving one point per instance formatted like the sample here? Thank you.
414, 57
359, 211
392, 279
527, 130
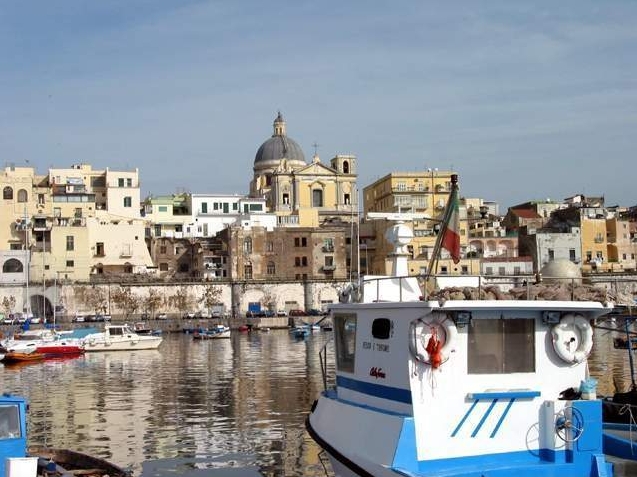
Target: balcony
41, 225
328, 248
328, 268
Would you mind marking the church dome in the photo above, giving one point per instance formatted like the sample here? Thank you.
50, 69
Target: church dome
279, 146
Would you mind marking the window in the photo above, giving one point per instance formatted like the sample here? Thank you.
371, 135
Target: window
179, 228
297, 261
317, 198
120, 182
9, 422
22, 195
345, 167
489, 271
70, 263
70, 243
345, 342
247, 245
346, 199
163, 267
40, 199
12, 265
129, 182
401, 186
157, 228
7, 193
286, 199
271, 268
162, 250
269, 246
465, 270
304, 261
247, 271
204, 207
502, 271
303, 242
162, 208
297, 242
128, 201
551, 254
99, 249
498, 346
329, 261
571, 254
589, 256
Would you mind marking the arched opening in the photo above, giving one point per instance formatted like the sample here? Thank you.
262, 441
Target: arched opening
7, 193
345, 167
13, 265
22, 195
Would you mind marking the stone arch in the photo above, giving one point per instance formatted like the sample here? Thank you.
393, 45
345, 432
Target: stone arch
7, 193
23, 196
13, 265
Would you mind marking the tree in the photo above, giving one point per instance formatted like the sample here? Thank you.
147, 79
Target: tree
8, 304
125, 300
95, 299
211, 296
181, 300
153, 301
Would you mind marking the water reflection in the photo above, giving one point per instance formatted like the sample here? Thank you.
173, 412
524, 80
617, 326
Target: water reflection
222, 405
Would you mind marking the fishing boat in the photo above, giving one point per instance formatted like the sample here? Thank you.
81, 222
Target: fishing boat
449, 387
120, 338
18, 461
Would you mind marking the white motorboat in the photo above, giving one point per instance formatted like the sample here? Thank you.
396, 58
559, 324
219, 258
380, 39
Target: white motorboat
457, 388
120, 338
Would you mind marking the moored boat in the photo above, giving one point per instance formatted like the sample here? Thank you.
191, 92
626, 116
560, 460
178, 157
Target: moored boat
442, 387
120, 338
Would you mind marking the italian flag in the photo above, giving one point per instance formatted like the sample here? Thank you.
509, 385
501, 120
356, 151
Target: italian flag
451, 227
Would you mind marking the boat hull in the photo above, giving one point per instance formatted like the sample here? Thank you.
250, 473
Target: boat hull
143, 343
70, 462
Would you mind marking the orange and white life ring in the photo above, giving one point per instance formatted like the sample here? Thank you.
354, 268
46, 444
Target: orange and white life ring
431, 339
573, 338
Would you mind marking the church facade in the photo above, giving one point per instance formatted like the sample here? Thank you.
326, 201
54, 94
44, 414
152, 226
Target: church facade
300, 193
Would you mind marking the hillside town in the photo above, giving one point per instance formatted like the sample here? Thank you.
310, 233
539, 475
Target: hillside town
301, 221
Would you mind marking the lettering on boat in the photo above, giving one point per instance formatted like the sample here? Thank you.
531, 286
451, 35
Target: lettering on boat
382, 347
367, 345
377, 372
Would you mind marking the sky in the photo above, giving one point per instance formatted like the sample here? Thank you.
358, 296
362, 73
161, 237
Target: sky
524, 100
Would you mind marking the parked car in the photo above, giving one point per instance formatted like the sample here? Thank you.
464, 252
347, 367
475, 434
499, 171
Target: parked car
189, 314
78, 319
281, 313
162, 316
297, 312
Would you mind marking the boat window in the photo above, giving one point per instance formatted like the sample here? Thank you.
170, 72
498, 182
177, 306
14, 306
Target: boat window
116, 331
9, 421
345, 341
381, 328
498, 346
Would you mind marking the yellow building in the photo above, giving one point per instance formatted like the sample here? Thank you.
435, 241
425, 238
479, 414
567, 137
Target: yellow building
303, 194
424, 193
75, 222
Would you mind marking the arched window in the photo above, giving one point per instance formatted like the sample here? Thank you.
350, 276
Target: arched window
345, 167
12, 266
22, 195
317, 198
271, 268
7, 193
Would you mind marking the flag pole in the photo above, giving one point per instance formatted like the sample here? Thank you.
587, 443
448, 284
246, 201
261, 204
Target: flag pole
445, 224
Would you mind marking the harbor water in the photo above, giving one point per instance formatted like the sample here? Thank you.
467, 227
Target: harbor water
220, 408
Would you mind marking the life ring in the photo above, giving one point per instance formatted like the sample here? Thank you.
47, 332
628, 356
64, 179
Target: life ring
573, 338
431, 339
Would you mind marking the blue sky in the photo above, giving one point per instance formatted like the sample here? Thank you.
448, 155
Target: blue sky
524, 101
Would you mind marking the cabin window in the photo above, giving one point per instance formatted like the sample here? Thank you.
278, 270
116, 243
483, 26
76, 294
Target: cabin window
9, 422
345, 341
381, 328
498, 346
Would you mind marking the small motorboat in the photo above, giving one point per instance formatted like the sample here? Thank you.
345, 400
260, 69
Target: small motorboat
300, 332
21, 357
18, 461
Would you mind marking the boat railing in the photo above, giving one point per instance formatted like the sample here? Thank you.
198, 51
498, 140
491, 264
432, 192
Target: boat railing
323, 360
430, 285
